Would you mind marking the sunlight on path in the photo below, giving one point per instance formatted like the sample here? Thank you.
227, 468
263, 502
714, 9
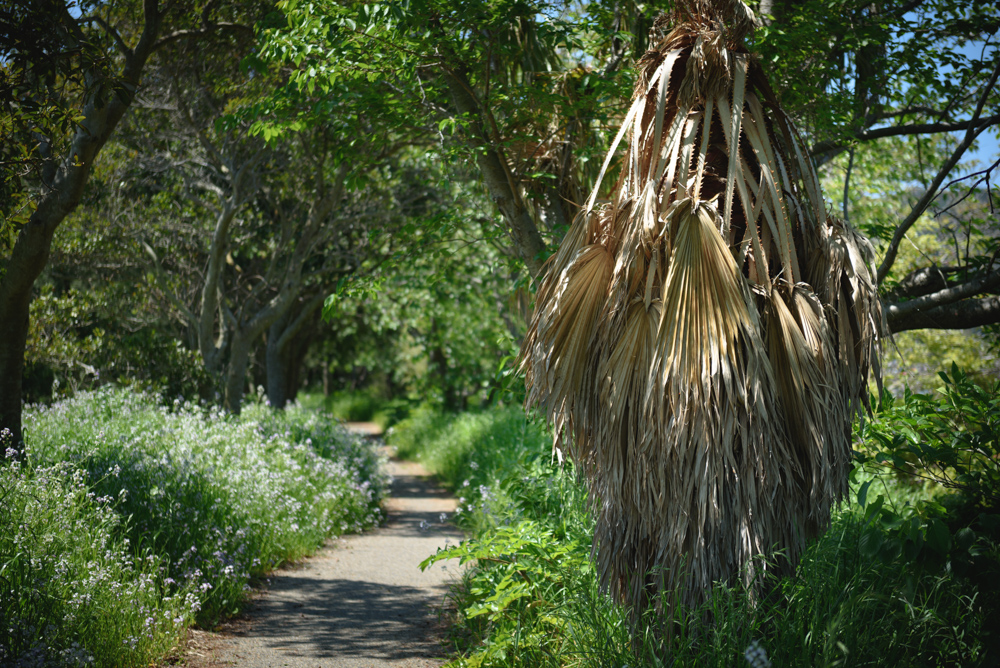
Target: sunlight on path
362, 602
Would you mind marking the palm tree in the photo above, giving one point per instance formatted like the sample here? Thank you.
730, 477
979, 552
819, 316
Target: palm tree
702, 342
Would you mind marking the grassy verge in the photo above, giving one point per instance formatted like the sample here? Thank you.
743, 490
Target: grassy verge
531, 597
131, 520
361, 406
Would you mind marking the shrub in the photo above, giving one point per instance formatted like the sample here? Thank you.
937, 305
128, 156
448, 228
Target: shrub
531, 596
73, 591
220, 499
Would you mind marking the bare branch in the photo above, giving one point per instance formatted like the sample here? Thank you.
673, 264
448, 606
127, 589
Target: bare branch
975, 127
958, 315
943, 297
903, 130
119, 42
210, 149
983, 174
161, 281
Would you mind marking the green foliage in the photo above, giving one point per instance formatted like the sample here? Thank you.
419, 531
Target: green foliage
73, 592
530, 596
84, 338
952, 440
367, 405
431, 321
352, 406
546, 75
470, 449
42, 82
838, 63
518, 589
218, 499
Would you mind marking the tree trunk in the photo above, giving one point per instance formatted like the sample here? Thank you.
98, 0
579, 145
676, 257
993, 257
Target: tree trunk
13, 334
296, 359
63, 192
31, 252
236, 372
277, 370
288, 342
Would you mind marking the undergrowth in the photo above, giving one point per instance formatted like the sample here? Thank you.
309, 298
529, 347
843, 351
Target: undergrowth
173, 510
530, 594
359, 406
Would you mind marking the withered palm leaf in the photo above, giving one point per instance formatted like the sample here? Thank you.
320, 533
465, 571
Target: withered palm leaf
703, 342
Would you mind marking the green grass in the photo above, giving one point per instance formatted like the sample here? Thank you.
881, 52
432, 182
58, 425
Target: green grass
531, 594
362, 406
198, 502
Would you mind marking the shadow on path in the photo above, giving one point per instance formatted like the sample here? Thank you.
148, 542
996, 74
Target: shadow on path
345, 618
362, 602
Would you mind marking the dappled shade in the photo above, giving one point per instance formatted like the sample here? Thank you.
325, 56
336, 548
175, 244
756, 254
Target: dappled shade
703, 341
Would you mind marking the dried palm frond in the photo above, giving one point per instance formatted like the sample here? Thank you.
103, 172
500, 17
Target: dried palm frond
703, 342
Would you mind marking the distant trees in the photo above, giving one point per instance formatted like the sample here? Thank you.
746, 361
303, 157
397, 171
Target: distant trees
70, 72
239, 237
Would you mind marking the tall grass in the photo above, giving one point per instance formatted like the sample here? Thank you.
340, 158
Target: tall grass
201, 501
531, 597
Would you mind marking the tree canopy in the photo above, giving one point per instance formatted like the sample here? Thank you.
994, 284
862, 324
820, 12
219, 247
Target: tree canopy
515, 102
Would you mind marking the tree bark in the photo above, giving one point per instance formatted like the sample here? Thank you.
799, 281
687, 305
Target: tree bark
63, 192
958, 315
277, 369
288, 342
236, 371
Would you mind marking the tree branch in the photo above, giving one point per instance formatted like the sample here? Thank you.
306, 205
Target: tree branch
903, 130
943, 297
201, 32
108, 28
308, 309
973, 130
923, 281
906, 111
497, 176
161, 281
960, 315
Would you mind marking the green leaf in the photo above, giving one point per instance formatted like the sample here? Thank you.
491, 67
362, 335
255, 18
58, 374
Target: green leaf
863, 494
938, 537
964, 538
870, 543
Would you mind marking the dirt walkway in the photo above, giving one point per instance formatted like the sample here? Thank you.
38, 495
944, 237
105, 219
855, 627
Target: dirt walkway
362, 602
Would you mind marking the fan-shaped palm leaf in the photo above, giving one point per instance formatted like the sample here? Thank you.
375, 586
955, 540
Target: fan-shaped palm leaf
703, 342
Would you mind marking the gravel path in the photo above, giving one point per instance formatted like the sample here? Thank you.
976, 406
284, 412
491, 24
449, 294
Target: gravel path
362, 602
